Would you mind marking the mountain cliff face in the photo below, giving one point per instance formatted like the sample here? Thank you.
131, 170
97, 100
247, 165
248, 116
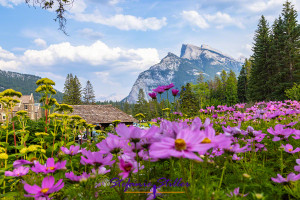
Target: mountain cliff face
24, 83
183, 69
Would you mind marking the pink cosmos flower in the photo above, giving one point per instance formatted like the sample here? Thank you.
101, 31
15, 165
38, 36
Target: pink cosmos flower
167, 87
20, 171
18, 163
48, 187
290, 177
159, 89
49, 167
236, 192
112, 144
127, 166
297, 167
175, 92
184, 145
72, 151
101, 170
73, 177
289, 148
131, 133
96, 158
279, 132
153, 95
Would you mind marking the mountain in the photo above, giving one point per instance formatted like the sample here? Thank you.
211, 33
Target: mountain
24, 83
184, 69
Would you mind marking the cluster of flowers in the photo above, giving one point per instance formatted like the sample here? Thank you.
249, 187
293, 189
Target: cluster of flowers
188, 138
161, 89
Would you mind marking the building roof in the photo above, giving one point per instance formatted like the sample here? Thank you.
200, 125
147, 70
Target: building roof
25, 99
94, 114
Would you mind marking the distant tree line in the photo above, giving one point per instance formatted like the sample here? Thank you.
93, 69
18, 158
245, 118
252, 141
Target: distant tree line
75, 95
274, 67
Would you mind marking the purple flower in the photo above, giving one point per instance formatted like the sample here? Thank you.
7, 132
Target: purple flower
127, 166
20, 171
73, 177
18, 163
131, 133
152, 95
184, 145
236, 192
72, 151
96, 158
159, 89
112, 144
297, 167
175, 92
290, 177
289, 148
232, 131
101, 170
49, 167
47, 188
167, 87
279, 132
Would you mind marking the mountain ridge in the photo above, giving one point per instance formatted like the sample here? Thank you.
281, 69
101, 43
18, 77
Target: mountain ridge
183, 69
24, 83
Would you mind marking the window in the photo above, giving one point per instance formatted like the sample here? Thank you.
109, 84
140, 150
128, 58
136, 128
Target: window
3, 117
0, 105
26, 107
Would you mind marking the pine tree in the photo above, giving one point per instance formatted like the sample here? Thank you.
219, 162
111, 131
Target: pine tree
258, 89
76, 92
88, 94
188, 101
243, 79
67, 89
72, 90
141, 105
201, 90
288, 46
231, 89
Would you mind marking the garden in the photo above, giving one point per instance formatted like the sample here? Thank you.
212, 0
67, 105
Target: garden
224, 152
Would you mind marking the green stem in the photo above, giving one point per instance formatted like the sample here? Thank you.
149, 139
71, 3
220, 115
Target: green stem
184, 178
223, 172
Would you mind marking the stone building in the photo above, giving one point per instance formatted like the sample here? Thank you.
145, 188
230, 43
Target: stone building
26, 103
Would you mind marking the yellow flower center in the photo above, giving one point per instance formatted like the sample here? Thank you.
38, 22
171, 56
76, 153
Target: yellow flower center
180, 144
51, 168
72, 152
44, 190
290, 150
206, 141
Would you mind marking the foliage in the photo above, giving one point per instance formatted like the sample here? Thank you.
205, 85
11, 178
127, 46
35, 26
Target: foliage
88, 94
294, 92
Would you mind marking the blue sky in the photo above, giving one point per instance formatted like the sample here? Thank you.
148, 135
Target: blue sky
111, 41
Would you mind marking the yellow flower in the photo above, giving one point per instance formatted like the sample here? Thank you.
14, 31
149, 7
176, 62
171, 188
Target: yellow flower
43, 150
246, 175
259, 196
24, 150
3, 156
34, 147
2, 149
41, 133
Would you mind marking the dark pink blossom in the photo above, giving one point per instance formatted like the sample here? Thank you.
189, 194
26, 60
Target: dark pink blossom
48, 187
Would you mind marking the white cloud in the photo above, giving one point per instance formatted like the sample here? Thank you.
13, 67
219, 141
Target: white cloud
10, 65
6, 55
97, 54
40, 43
90, 33
223, 19
10, 3
123, 22
194, 19
259, 6
201, 20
